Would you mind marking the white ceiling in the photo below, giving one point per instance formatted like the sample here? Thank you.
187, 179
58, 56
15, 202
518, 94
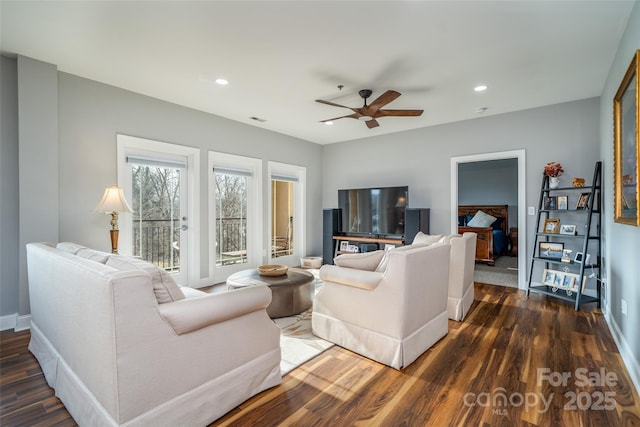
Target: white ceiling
281, 56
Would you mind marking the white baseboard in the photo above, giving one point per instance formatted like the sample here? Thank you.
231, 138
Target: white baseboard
632, 364
15, 322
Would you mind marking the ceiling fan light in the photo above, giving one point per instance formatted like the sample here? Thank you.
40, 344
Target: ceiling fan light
365, 118
480, 88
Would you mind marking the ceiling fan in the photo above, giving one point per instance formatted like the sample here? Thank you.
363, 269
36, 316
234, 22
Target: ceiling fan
369, 113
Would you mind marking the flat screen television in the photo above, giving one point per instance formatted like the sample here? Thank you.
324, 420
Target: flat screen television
373, 211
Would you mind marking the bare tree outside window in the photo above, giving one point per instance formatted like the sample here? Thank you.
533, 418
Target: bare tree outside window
231, 218
156, 206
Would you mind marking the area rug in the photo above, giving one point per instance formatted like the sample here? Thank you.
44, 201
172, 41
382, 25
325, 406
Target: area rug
504, 273
297, 342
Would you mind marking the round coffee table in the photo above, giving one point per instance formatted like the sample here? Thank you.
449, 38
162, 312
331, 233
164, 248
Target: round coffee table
291, 293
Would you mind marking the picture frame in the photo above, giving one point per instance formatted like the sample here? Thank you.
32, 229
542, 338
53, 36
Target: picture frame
344, 245
566, 255
579, 257
551, 226
550, 250
563, 203
353, 248
558, 279
550, 203
548, 276
583, 201
568, 229
626, 152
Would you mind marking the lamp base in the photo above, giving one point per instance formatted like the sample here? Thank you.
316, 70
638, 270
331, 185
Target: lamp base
114, 240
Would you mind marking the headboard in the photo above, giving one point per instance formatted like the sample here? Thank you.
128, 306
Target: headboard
499, 211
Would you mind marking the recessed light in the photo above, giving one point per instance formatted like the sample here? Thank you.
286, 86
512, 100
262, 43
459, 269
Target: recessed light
329, 123
480, 88
222, 82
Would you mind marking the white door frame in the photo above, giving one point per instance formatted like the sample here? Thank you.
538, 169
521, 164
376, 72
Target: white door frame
522, 200
133, 145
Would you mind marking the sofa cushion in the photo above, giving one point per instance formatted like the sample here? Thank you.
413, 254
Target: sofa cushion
364, 261
428, 239
447, 238
481, 219
93, 255
165, 288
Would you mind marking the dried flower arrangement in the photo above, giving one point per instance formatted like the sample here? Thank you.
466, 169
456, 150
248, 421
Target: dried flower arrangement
553, 169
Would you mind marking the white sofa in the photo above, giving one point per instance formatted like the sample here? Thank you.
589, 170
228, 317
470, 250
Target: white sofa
391, 316
116, 356
461, 268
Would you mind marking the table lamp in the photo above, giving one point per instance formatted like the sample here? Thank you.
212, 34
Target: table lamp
112, 202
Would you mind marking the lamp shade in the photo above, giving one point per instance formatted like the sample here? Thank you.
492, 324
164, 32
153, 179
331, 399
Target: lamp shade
113, 201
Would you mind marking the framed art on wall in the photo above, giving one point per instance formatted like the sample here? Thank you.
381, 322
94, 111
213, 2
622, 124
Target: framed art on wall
626, 149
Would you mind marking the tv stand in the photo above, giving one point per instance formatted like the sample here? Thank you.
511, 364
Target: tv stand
362, 239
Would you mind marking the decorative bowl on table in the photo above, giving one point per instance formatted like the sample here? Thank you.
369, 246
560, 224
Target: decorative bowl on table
272, 270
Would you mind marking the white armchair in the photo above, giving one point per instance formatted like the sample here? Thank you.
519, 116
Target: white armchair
461, 268
392, 316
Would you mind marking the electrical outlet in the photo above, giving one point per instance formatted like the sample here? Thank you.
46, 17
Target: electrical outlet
623, 306
532, 210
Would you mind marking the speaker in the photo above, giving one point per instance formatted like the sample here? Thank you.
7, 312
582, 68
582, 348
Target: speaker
331, 220
415, 219
368, 247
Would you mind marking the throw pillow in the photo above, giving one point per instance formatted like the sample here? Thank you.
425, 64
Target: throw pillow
93, 255
385, 259
364, 261
165, 288
482, 220
428, 239
70, 247
447, 239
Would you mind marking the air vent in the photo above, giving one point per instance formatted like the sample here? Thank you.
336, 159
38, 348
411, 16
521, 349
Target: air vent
257, 119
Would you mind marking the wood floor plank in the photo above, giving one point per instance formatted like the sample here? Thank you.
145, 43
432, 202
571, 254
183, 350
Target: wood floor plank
509, 346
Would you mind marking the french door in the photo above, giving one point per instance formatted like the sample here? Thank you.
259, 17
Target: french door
157, 183
235, 214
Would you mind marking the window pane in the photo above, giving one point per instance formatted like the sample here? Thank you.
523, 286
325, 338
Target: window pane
156, 213
231, 218
282, 203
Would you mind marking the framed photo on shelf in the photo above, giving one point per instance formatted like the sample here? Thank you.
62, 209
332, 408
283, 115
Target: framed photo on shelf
568, 229
353, 248
548, 276
583, 201
579, 257
551, 225
626, 147
550, 203
563, 202
557, 281
344, 245
566, 255
550, 250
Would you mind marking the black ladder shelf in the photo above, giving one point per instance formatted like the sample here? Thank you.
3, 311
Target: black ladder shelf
557, 273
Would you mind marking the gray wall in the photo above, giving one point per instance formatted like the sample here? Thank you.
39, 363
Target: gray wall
567, 133
68, 156
622, 242
493, 182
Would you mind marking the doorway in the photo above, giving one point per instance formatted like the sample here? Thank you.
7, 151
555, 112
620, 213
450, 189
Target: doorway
461, 166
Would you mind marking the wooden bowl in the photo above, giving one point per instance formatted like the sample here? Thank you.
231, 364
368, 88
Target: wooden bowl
272, 270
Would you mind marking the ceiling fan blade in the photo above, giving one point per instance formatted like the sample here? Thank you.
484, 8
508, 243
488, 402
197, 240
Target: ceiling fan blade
350, 116
372, 123
399, 113
332, 104
383, 100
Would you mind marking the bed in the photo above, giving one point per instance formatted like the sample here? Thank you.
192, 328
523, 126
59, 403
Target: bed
492, 241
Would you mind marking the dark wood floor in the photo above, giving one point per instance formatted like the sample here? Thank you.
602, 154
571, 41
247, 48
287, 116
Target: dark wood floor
496, 352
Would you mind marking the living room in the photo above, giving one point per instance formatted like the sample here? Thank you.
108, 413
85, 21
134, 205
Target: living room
59, 152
